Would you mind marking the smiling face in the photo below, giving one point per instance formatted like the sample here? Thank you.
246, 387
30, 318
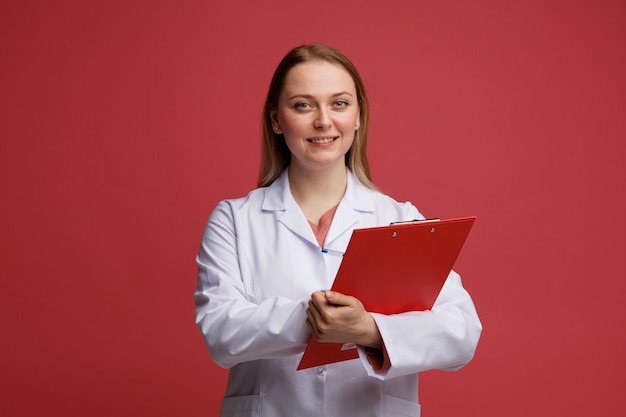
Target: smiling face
317, 114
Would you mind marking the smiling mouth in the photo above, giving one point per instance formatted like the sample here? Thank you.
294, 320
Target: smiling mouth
321, 141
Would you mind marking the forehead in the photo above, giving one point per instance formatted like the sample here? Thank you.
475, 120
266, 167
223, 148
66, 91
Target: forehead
318, 78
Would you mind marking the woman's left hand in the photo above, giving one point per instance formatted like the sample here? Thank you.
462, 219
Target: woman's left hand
339, 318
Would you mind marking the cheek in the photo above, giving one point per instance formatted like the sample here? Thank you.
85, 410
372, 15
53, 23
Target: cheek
292, 124
350, 124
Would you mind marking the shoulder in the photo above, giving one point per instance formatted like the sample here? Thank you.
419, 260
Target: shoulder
232, 207
366, 199
399, 210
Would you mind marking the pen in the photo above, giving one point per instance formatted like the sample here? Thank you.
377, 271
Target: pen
332, 252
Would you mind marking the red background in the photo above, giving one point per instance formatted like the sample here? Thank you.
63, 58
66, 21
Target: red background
124, 122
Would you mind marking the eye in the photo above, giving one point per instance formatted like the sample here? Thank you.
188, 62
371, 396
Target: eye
302, 106
341, 104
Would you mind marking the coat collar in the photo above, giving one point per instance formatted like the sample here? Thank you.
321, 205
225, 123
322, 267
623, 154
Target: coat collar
356, 200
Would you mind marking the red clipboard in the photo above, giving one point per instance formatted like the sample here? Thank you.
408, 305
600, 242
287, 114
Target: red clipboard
393, 269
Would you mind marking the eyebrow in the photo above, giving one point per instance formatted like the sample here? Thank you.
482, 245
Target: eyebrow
308, 96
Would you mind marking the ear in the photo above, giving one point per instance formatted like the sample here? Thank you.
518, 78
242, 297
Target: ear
358, 121
275, 125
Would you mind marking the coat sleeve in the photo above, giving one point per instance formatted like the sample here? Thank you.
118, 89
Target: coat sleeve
444, 337
235, 328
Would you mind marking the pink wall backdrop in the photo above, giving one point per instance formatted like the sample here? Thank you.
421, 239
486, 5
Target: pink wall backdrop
122, 123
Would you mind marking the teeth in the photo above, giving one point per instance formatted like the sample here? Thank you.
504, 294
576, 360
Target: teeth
321, 141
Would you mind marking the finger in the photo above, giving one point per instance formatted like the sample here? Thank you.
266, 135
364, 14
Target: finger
319, 318
338, 299
318, 298
315, 309
319, 315
311, 327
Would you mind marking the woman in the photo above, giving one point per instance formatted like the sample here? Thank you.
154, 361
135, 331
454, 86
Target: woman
261, 267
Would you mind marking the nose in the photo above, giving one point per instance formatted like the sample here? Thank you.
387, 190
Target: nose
322, 119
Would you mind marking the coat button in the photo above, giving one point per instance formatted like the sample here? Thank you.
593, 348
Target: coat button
321, 370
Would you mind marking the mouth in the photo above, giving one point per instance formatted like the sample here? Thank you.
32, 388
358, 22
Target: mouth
322, 141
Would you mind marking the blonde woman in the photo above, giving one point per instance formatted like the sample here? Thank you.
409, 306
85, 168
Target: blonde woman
261, 264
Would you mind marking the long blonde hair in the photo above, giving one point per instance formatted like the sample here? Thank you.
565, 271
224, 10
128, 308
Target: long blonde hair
275, 155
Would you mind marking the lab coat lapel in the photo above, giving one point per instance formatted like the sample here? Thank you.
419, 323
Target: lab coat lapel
345, 218
278, 198
293, 219
358, 199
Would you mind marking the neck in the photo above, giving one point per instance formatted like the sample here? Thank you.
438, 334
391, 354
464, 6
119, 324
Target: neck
319, 191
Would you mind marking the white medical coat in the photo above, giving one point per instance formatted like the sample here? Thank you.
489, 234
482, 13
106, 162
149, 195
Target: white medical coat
258, 264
